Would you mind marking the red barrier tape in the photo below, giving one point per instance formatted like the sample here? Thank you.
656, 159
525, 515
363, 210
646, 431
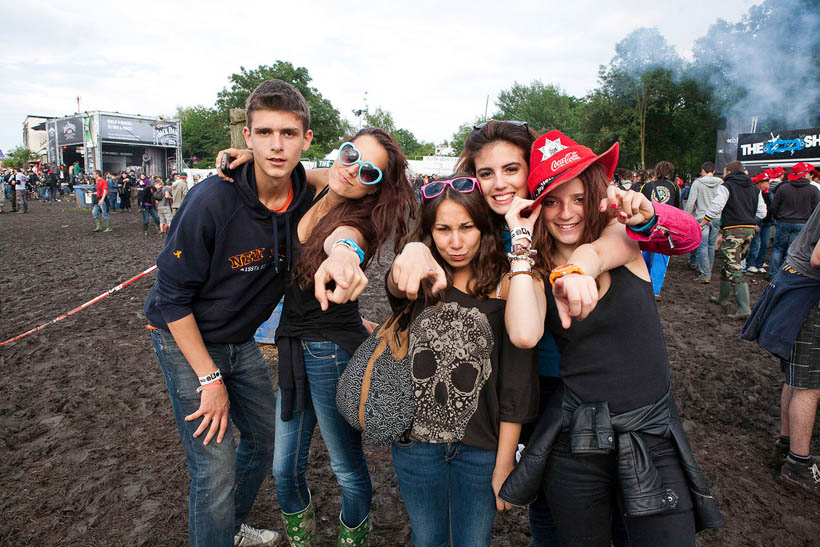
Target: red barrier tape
90, 302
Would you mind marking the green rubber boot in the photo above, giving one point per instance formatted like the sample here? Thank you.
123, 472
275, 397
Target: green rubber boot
725, 291
300, 527
108, 227
743, 308
357, 536
98, 225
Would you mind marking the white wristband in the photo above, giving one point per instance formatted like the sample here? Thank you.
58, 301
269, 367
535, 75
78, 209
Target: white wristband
210, 378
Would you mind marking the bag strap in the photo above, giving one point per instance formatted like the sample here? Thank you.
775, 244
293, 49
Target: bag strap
390, 334
368, 372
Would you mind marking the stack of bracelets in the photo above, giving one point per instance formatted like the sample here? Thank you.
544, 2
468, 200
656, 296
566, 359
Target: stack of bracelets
521, 251
211, 381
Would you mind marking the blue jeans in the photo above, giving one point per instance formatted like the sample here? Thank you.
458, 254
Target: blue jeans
324, 363
447, 491
759, 246
656, 264
224, 478
705, 253
784, 234
101, 207
149, 212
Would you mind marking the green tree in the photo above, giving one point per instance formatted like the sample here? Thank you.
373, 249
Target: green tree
380, 118
461, 134
19, 157
326, 122
641, 60
204, 133
544, 107
410, 146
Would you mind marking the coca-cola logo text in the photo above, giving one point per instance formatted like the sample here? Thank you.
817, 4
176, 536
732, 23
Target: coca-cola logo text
569, 158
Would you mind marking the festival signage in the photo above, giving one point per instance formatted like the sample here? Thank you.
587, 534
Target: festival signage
51, 129
153, 132
70, 131
779, 146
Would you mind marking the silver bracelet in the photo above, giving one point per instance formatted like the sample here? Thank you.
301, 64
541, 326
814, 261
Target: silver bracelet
520, 266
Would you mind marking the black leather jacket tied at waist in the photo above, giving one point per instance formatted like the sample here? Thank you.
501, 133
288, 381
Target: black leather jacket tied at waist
593, 430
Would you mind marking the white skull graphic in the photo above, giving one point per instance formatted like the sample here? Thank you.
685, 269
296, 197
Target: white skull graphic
449, 353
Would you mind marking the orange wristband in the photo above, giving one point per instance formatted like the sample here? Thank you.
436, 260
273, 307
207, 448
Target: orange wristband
561, 271
212, 385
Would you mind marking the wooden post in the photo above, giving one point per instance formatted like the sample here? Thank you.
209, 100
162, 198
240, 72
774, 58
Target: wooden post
237, 123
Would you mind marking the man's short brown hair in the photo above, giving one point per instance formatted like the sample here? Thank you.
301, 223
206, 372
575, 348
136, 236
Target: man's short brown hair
278, 95
735, 167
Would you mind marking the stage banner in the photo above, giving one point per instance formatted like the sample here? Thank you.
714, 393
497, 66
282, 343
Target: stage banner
52, 141
70, 131
153, 132
779, 146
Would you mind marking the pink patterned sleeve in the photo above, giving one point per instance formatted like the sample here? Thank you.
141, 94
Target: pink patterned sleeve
675, 232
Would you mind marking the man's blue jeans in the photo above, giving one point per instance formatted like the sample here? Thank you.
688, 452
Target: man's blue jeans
224, 478
784, 234
149, 212
759, 246
101, 207
447, 491
705, 253
324, 363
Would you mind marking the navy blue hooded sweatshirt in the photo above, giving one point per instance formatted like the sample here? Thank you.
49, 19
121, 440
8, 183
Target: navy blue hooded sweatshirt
226, 258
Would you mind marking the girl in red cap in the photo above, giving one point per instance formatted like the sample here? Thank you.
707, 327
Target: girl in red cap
601, 439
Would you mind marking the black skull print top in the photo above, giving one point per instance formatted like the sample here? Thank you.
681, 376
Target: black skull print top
467, 375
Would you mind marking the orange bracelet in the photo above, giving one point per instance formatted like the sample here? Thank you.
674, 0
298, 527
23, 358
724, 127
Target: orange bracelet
565, 269
212, 385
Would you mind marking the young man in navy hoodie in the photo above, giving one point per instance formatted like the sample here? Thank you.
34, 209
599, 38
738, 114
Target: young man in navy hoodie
222, 271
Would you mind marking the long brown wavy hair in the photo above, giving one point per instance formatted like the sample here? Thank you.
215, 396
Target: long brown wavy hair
595, 182
378, 216
490, 262
518, 135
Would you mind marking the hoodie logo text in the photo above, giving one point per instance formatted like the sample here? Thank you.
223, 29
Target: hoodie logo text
247, 258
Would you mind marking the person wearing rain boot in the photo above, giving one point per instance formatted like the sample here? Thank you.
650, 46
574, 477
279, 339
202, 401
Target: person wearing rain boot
101, 204
740, 204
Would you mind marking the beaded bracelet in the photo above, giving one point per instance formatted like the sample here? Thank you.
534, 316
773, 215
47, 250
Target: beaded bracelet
521, 258
563, 270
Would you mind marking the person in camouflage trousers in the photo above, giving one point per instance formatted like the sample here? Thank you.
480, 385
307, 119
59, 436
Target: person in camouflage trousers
735, 247
739, 203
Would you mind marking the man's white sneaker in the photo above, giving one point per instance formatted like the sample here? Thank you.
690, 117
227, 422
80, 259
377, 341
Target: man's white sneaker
248, 536
752, 269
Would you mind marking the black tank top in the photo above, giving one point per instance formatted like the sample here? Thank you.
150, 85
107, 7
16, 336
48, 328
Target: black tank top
618, 353
302, 316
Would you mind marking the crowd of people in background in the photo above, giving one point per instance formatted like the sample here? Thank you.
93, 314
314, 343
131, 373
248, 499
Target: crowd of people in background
157, 198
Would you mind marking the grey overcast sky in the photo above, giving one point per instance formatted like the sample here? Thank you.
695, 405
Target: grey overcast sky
432, 64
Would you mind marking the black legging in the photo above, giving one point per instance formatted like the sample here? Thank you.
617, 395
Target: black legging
582, 493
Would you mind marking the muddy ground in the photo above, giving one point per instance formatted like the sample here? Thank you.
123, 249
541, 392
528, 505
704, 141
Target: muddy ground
89, 454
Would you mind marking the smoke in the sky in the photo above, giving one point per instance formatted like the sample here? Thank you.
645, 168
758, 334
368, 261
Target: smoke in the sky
766, 65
